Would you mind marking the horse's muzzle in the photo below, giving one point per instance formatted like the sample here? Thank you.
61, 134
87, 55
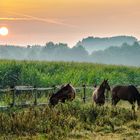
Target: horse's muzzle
109, 89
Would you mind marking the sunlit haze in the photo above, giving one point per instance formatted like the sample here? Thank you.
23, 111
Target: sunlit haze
68, 21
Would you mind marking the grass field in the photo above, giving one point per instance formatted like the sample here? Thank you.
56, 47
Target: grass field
72, 120
56, 73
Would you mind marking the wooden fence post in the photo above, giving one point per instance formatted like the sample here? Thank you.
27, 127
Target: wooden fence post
35, 95
84, 90
13, 95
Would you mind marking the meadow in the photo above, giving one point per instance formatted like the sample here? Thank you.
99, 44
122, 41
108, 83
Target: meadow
45, 74
72, 120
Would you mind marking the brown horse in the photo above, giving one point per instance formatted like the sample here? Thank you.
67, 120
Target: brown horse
128, 93
67, 92
98, 94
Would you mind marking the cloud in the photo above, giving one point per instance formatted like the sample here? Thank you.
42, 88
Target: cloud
47, 20
13, 19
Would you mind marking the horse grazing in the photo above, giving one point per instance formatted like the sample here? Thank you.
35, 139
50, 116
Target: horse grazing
128, 93
98, 94
67, 92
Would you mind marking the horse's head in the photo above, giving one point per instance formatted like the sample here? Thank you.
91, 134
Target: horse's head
53, 100
62, 93
105, 84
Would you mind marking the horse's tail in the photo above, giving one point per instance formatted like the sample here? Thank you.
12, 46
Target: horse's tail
137, 94
138, 99
134, 89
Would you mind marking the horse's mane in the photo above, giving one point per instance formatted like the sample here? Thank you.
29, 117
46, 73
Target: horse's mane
63, 88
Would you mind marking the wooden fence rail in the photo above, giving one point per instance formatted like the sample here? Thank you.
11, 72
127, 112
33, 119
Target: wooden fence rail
35, 90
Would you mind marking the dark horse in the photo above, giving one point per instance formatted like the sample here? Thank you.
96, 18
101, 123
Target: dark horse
128, 93
67, 92
98, 94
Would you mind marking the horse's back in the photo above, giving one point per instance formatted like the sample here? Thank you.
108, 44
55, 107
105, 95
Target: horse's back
124, 92
116, 88
66, 92
130, 88
133, 89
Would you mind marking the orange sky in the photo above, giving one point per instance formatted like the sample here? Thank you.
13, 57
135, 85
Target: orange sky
40, 21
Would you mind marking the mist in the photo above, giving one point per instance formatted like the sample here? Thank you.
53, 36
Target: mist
126, 53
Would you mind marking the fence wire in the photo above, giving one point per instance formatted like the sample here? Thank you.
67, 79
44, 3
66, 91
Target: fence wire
28, 95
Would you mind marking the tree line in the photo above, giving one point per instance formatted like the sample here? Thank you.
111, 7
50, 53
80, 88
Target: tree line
125, 54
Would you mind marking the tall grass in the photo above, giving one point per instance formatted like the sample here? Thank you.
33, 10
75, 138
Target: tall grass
65, 121
55, 73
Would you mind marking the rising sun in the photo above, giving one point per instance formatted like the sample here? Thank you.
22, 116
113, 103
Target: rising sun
3, 31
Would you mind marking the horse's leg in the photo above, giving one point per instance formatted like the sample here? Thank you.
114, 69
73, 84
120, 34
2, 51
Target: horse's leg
115, 101
138, 103
138, 107
133, 108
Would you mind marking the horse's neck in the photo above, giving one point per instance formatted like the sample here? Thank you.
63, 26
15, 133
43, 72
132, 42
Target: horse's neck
101, 90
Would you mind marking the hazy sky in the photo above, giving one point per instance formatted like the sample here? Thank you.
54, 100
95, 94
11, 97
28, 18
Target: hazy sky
40, 21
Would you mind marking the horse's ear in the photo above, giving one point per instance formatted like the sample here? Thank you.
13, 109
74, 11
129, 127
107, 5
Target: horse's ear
68, 84
95, 85
105, 80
